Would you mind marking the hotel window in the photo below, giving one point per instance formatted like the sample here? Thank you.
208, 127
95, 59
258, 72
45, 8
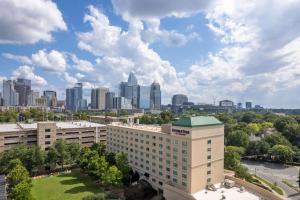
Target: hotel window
184, 152
160, 159
47, 130
142, 166
141, 153
142, 141
153, 180
208, 172
175, 165
136, 140
147, 168
160, 152
208, 164
168, 154
175, 173
153, 144
167, 169
147, 161
153, 137
183, 183
168, 140
208, 180
153, 170
184, 176
160, 139
184, 168
208, 141
184, 159
147, 142
168, 161
153, 150
175, 142
168, 176
209, 157
153, 164
174, 180
175, 150
160, 146
153, 157
168, 147
160, 173
147, 136
147, 149
174, 157
147, 155
160, 166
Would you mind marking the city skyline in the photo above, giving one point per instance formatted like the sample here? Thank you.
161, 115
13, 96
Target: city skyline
210, 51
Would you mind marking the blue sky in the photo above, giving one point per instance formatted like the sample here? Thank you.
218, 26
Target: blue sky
225, 49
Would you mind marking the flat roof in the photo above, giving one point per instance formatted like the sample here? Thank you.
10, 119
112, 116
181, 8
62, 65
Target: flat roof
10, 127
197, 121
151, 128
233, 193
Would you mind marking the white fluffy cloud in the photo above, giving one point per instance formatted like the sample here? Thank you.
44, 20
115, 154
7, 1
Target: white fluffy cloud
29, 21
28, 73
82, 65
124, 51
53, 60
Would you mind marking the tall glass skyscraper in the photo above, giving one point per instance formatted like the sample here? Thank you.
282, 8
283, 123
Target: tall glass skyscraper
74, 101
23, 87
144, 98
155, 96
130, 90
10, 96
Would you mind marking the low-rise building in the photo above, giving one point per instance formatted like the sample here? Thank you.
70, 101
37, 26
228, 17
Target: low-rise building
44, 134
178, 159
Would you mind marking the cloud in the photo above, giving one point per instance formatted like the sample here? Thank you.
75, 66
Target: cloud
29, 21
168, 37
122, 51
82, 65
28, 73
145, 9
70, 79
53, 60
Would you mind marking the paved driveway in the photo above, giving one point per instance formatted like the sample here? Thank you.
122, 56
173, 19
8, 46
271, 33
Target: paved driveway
276, 173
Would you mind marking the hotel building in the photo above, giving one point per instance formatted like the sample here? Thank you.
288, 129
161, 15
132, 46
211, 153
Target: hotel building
44, 134
179, 159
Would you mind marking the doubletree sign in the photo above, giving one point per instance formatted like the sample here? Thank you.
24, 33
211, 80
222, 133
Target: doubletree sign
180, 131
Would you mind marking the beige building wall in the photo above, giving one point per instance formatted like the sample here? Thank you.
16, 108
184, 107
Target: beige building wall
46, 134
170, 159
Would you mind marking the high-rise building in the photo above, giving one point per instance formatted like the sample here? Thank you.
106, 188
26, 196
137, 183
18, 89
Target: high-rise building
51, 98
109, 100
179, 99
155, 96
144, 97
130, 90
31, 98
248, 105
239, 105
98, 98
23, 87
10, 96
178, 160
74, 101
122, 103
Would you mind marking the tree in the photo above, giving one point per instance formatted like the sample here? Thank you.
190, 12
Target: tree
21, 191
111, 158
100, 148
257, 148
241, 172
73, 150
292, 134
232, 157
281, 153
112, 176
238, 138
52, 157
281, 123
62, 153
95, 197
123, 165
275, 139
254, 128
35, 159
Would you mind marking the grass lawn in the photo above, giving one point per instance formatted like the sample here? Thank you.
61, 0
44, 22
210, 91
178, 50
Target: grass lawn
71, 186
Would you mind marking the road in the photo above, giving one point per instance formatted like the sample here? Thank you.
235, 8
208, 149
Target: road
276, 173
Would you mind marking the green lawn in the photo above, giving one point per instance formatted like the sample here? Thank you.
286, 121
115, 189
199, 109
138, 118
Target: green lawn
71, 186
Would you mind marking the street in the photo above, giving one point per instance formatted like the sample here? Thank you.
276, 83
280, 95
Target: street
276, 173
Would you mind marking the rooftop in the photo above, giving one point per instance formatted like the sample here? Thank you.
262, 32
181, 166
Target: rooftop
10, 127
229, 193
151, 128
198, 121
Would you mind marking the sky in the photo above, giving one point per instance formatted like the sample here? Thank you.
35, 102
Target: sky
242, 50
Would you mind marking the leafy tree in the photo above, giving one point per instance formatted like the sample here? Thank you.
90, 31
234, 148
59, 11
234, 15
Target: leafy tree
112, 176
238, 138
21, 191
281, 153
275, 139
73, 150
292, 134
52, 157
249, 117
62, 153
95, 197
123, 166
281, 123
17, 174
35, 159
232, 157
111, 158
257, 148
100, 148
254, 128
242, 172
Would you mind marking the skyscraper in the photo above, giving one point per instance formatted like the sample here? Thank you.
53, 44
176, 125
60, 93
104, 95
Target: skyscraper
10, 96
144, 97
23, 87
130, 90
51, 98
98, 98
248, 105
31, 98
179, 99
109, 98
74, 101
155, 96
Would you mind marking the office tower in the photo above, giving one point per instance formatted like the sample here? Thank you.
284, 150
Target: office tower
31, 98
248, 105
144, 98
23, 87
41, 102
74, 98
226, 103
122, 103
98, 97
240, 105
155, 96
130, 90
179, 99
51, 98
109, 98
178, 160
10, 96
